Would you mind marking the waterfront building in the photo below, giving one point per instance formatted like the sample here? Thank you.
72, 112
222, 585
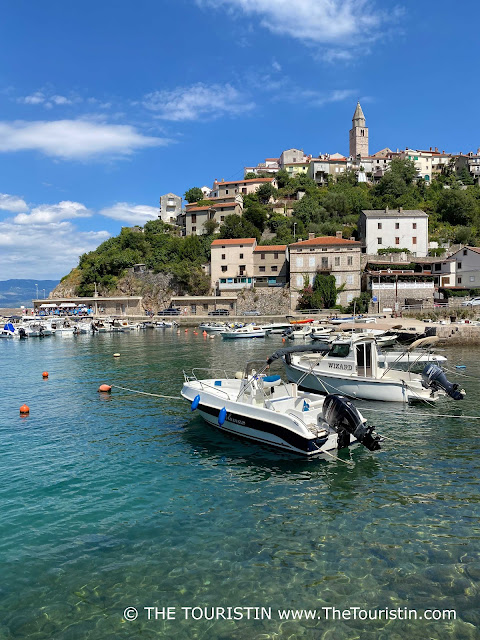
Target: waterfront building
100, 305
330, 255
270, 265
465, 269
232, 264
170, 208
394, 228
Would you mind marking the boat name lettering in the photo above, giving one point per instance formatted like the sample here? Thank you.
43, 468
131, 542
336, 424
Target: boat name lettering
230, 418
340, 365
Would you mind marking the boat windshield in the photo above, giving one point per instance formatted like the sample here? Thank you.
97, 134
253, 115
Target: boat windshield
339, 350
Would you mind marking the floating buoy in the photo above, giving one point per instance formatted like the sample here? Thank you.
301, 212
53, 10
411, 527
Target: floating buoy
104, 388
195, 333
204, 333
211, 336
45, 374
222, 416
24, 409
460, 366
186, 330
195, 402
283, 339
116, 355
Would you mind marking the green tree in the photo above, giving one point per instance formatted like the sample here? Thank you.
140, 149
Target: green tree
210, 226
193, 195
282, 178
324, 291
265, 192
257, 215
236, 227
456, 207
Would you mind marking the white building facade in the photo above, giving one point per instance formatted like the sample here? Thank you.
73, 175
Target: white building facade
170, 208
394, 229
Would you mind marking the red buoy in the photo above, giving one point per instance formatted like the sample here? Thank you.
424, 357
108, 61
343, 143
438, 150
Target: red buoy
104, 388
45, 374
24, 409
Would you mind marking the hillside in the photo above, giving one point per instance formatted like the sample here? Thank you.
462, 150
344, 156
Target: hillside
15, 293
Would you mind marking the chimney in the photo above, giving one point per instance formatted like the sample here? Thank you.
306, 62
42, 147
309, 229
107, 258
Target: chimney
430, 148
311, 236
400, 209
352, 238
338, 234
386, 209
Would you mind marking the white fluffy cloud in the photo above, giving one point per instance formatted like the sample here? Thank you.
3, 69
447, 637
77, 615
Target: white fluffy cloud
324, 22
74, 139
46, 251
47, 213
197, 102
14, 204
133, 214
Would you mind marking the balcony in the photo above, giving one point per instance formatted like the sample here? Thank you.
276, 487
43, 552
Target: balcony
382, 286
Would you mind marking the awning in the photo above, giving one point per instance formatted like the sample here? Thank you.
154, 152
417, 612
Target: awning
67, 304
49, 306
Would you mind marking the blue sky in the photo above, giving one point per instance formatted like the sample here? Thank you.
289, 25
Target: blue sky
106, 105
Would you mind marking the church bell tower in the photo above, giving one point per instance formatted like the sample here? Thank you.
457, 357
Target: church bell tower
358, 134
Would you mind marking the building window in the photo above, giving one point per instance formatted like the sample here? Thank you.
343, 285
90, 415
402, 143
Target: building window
262, 257
397, 225
261, 269
349, 261
244, 189
275, 268
397, 240
226, 192
194, 218
337, 262
465, 252
438, 267
311, 261
459, 280
349, 297
472, 278
379, 225
194, 229
325, 263
414, 240
324, 249
241, 256
224, 268
459, 265
414, 225
350, 279
299, 262
275, 256
222, 218
299, 281
379, 241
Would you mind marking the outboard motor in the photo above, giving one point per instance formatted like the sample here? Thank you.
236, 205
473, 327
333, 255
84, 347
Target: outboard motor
22, 332
341, 414
435, 379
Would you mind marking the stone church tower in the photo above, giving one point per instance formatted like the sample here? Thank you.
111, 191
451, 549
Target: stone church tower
358, 134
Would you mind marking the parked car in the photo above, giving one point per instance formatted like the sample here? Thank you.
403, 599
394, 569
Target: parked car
219, 312
254, 312
171, 311
474, 302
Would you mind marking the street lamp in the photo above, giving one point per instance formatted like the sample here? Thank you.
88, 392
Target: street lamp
44, 295
37, 290
294, 227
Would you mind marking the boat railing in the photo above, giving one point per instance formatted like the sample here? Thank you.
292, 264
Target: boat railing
225, 373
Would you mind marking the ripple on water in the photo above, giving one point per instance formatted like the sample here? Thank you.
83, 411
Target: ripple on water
126, 500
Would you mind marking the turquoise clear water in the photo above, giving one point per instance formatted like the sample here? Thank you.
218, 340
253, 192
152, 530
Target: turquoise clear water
128, 500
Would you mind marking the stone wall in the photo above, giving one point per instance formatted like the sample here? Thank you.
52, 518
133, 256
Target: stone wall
456, 334
267, 300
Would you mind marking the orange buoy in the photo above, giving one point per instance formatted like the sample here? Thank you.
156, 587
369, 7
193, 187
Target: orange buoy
104, 388
186, 330
283, 339
195, 333
45, 374
204, 333
24, 409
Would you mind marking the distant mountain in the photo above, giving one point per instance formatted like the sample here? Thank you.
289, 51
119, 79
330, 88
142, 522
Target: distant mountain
15, 293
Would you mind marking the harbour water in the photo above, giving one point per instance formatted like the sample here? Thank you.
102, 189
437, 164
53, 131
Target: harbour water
110, 502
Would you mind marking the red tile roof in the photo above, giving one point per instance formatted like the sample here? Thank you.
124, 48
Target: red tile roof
271, 247
325, 241
247, 181
217, 243
217, 205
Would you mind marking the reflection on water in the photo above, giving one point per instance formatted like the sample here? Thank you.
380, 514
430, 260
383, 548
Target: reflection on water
127, 500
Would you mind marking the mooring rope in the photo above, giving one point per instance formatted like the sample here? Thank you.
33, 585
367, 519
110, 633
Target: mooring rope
428, 415
144, 393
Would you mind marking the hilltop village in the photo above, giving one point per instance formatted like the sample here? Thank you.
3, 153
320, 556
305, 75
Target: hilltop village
389, 230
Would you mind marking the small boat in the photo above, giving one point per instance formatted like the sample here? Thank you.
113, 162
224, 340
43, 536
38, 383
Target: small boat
166, 324
276, 327
306, 321
265, 409
362, 319
9, 331
354, 368
248, 331
215, 327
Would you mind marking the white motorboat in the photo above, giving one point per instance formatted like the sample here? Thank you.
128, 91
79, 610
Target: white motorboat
362, 319
269, 411
248, 331
82, 327
276, 327
215, 327
9, 331
354, 367
165, 324
299, 332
